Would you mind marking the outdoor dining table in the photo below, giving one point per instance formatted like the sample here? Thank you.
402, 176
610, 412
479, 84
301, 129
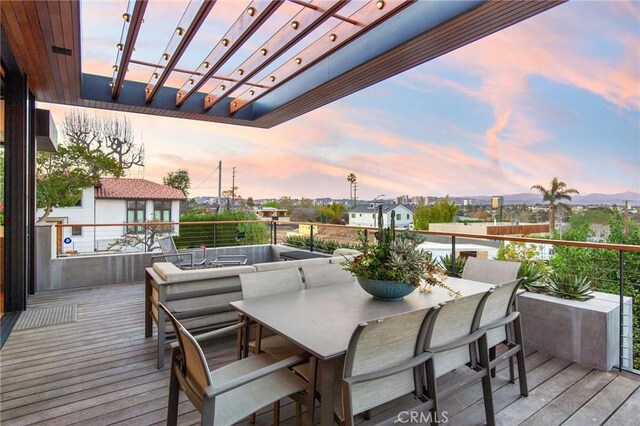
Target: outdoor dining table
321, 321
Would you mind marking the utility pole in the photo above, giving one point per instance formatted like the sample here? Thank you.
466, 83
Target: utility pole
233, 187
219, 184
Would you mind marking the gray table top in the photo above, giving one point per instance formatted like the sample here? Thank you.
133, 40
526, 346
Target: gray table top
321, 320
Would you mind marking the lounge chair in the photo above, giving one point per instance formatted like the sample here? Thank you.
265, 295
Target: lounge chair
171, 254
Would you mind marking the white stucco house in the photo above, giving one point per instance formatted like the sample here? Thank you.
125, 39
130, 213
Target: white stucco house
116, 202
367, 215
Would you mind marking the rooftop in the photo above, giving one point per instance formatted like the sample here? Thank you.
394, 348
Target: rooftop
138, 189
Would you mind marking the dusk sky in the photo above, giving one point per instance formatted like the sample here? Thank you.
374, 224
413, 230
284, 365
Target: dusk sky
556, 95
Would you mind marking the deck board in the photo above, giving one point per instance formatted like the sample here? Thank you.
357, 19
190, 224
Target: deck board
101, 370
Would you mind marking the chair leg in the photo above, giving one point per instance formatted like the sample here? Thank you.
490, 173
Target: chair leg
522, 370
174, 394
276, 413
432, 391
511, 371
298, 413
487, 392
208, 409
492, 356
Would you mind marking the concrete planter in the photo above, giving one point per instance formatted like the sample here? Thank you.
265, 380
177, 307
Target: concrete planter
583, 332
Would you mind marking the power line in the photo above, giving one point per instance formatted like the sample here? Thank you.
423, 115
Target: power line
205, 179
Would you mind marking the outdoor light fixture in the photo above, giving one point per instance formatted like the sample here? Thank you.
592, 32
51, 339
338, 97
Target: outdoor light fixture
333, 37
191, 81
115, 68
272, 78
119, 46
206, 64
298, 61
294, 25
147, 90
380, 4
126, 17
179, 94
224, 41
222, 87
240, 71
251, 11
235, 104
263, 52
208, 99
179, 31
252, 92
165, 56
155, 75
110, 84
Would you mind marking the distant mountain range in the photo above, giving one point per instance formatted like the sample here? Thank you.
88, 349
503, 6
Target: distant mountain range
529, 198
588, 199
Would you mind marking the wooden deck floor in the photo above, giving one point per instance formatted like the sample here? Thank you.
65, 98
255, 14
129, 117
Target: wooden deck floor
101, 370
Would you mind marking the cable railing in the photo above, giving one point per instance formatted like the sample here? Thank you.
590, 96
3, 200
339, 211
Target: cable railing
613, 268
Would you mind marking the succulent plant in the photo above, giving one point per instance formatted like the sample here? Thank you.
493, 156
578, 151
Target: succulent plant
446, 264
532, 273
568, 286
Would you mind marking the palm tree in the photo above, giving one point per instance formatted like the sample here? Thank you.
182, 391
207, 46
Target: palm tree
351, 178
557, 191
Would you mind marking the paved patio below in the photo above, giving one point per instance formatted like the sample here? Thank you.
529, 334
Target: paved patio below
100, 370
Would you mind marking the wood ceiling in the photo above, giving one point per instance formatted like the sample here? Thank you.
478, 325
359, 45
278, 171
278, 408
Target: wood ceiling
45, 38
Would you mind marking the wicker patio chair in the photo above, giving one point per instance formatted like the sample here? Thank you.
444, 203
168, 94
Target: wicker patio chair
452, 337
503, 325
490, 271
231, 393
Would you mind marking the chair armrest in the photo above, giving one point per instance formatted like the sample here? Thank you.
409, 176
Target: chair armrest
220, 332
502, 321
213, 391
398, 368
464, 341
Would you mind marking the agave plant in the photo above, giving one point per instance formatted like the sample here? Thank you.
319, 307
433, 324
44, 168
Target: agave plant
446, 264
568, 286
532, 273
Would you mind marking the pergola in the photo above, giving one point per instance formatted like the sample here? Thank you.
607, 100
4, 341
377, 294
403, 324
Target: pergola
380, 39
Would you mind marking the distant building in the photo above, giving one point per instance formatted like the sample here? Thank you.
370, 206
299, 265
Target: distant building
466, 202
496, 202
403, 199
272, 213
367, 215
419, 200
114, 201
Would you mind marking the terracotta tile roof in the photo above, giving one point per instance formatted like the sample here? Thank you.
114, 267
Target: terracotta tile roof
139, 189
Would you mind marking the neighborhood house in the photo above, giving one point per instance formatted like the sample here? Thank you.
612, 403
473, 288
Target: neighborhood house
114, 202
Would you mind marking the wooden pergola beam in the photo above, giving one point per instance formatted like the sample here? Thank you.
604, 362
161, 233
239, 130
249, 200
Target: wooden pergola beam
134, 21
185, 36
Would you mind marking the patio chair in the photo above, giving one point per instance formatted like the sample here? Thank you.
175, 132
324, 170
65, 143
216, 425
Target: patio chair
382, 363
231, 393
451, 336
262, 284
490, 271
171, 253
323, 275
502, 325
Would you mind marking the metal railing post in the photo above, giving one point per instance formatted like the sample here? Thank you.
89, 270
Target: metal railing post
275, 232
311, 239
621, 289
453, 256
214, 236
